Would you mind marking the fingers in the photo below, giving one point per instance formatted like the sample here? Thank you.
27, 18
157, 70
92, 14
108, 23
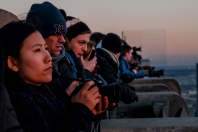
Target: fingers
94, 60
105, 103
94, 89
95, 95
87, 85
82, 59
112, 105
97, 100
99, 105
72, 87
76, 83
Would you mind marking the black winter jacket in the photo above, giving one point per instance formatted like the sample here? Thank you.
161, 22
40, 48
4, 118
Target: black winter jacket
109, 71
63, 77
38, 110
60, 79
8, 118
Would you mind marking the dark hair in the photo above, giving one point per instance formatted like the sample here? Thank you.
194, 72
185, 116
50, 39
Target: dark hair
12, 36
97, 37
90, 45
126, 49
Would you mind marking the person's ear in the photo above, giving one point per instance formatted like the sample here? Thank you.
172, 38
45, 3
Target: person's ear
12, 63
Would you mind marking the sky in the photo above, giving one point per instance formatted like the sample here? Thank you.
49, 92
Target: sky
176, 20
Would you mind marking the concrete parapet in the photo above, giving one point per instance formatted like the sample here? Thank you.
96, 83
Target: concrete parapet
144, 107
6, 17
151, 87
185, 124
170, 82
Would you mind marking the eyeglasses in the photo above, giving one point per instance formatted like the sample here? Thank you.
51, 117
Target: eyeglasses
59, 36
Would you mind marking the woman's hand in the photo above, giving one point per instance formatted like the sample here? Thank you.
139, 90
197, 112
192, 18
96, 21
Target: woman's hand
101, 106
87, 97
89, 65
71, 87
134, 71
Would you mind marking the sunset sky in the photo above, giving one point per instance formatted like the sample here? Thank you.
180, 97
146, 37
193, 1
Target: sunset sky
177, 18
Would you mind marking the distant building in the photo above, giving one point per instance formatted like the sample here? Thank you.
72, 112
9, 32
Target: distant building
145, 62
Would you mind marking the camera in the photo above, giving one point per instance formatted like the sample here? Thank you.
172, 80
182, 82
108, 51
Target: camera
112, 91
135, 55
137, 49
153, 73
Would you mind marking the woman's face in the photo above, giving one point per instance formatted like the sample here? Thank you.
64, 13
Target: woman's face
79, 44
34, 65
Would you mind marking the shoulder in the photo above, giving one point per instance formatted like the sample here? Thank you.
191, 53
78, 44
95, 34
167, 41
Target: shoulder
24, 104
21, 98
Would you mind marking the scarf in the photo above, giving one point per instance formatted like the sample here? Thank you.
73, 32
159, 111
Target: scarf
57, 58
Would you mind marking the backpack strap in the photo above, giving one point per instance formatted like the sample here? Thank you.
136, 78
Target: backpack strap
73, 64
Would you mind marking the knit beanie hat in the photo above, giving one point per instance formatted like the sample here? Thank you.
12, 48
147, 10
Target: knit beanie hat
48, 18
112, 42
75, 27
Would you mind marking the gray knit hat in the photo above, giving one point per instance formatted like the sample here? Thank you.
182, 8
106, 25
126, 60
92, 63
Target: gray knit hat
47, 18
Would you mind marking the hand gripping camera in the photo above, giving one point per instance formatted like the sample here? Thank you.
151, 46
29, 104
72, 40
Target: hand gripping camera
112, 91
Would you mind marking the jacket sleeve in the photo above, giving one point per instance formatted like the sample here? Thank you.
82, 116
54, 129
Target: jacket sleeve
8, 119
30, 116
127, 93
139, 74
124, 69
89, 75
107, 75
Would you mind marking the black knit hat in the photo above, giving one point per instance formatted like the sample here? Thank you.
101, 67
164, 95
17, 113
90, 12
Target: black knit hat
112, 42
48, 18
75, 27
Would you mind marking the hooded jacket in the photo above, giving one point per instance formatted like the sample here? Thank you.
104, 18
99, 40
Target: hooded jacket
109, 70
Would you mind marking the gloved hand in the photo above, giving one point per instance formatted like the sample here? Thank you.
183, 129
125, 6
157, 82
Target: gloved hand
127, 94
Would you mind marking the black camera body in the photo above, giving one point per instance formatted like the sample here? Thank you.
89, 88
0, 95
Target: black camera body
135, 55
112, 91
137, 49
153, 73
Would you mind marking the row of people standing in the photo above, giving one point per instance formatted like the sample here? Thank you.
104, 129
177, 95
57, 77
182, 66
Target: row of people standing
40, 75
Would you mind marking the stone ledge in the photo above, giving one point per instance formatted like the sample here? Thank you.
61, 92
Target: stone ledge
170, 82
151, 87
143, 107
185, 124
